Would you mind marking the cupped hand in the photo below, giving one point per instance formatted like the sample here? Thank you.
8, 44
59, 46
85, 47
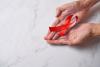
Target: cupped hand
76, 36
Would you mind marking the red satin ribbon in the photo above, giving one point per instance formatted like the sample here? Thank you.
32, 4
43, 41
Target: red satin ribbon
63, 28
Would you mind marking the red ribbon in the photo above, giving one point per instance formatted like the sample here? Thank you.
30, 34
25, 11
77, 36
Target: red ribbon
63, 28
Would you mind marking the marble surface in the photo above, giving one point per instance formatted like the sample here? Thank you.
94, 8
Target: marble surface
23, 23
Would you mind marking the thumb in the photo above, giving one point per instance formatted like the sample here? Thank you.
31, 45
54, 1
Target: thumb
58, 11
59, 41
67, 42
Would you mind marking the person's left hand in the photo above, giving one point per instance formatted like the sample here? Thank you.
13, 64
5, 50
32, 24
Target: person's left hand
76, 35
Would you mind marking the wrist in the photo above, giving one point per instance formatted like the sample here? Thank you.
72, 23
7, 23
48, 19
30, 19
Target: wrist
80, 5
87, 4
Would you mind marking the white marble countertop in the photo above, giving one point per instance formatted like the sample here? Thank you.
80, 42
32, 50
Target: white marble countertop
23, 23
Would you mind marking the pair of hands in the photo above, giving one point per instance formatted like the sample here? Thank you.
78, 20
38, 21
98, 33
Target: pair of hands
76, 35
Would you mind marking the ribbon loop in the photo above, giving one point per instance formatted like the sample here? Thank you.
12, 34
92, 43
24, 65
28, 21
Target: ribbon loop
70, 21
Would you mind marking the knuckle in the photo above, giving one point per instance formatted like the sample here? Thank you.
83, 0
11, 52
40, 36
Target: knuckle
59, 8
63, 14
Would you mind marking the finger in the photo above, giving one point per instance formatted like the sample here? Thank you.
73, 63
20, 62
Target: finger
64, 15
50, 36
57, 42
54, 24
61, 9
58, 12
56, 35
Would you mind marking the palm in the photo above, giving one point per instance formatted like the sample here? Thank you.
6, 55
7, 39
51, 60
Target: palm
75, 36
78, 35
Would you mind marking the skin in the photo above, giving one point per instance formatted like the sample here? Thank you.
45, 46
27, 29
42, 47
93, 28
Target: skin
62, 12
76, 35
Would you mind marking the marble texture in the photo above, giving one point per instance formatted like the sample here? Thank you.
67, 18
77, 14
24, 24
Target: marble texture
23, 23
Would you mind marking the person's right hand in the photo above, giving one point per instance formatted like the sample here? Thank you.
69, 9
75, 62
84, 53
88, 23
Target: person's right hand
77, 36
65, 10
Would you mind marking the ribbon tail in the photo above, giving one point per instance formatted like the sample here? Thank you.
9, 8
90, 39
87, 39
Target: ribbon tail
62, 33
58, 28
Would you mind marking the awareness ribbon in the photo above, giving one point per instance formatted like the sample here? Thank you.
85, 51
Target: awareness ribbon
70, 21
